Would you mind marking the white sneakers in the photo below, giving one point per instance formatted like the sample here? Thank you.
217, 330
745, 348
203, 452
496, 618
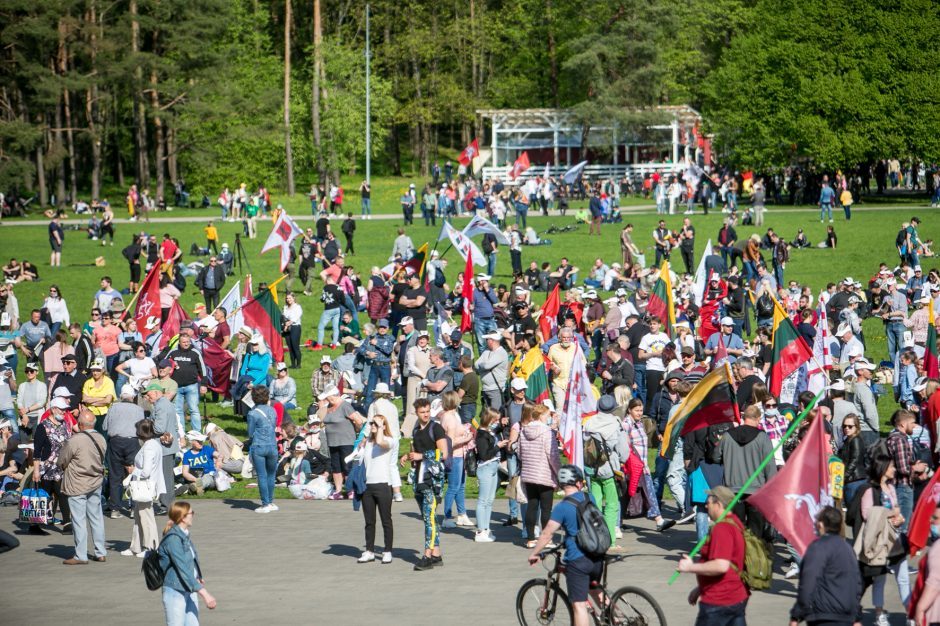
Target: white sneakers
386, 558
273, 507
397, 497
267, 508
367, 557
618, 533
793, 572
464, 520
484, 536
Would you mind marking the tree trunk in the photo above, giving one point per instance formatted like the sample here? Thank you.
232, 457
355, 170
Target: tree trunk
159, 135
62, 62
315, 91
41, 171
552, 54
59, 145
92, 108
171, 162
287, 146
394, 149
140, 113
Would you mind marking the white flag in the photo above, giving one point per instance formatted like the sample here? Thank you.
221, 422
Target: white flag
701, 280
547, 173
822, 360
233, 302
284, 232
580, 404
480, 225
572, 175
464, 245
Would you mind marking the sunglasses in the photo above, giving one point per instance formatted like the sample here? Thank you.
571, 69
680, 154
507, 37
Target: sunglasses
847, 426
770, 405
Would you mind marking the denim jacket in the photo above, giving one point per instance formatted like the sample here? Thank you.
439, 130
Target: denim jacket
179, 559
261, 424
383, 348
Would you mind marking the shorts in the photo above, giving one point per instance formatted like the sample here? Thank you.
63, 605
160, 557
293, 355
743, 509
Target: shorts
135, 273
338, 456
579, 575
55, 245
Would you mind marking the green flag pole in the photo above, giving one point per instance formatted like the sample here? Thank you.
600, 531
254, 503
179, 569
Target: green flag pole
760, 468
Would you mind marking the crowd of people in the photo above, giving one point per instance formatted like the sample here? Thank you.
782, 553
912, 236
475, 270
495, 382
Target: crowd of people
90, 406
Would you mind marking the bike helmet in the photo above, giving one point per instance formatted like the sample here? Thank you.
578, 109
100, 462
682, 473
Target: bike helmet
570, 475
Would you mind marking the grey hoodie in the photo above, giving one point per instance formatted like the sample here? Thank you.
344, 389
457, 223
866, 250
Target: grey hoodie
610, 429
742, 450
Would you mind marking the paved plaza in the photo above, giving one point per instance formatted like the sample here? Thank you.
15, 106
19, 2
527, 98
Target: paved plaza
298, 566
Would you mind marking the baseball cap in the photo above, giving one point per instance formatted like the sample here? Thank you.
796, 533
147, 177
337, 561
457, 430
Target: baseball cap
6, 424
62, 392
621, 292
606, 403
328, 392
32, 365
199, 307
722, 493
195, 435
383, 323
154, 386
838, 385
843, 328
864, 364
484, 277
128, 391
406, 320
687, 351
282, 366
97, 364
300, 446
59, 403
518, 384
456, 335
211, 428
495, 336
727, 321
423, 333
68, 357
165, 363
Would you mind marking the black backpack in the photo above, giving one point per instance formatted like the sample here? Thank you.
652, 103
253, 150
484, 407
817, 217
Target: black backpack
153, 573
593, 535
713, 441
764, 306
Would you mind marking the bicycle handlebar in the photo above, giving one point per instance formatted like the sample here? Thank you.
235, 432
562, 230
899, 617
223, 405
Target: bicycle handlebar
550, 551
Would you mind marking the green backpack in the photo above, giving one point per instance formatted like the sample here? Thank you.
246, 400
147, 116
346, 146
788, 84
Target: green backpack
758, 565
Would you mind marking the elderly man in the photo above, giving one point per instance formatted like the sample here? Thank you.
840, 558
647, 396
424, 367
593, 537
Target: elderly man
120, 424
324, 376
493, 368
440, 377
71, 380
849, 344
82, 462
482, 306
733, 343
561, 356
895, 312
166, 426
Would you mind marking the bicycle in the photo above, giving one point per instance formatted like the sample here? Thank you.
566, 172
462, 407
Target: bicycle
542, 600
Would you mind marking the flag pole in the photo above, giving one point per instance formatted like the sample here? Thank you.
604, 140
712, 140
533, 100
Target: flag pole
760, 468
137, 293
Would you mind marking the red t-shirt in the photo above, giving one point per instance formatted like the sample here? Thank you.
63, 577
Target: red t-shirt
726, 542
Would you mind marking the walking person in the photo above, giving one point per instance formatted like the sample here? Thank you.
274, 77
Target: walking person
459, 435
488, 450
183, 579
538, 455
147, 466
380, 451
349, 230
82, 462
262, 421
427, 456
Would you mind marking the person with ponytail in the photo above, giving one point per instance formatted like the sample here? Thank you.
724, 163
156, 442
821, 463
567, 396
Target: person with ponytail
183, 580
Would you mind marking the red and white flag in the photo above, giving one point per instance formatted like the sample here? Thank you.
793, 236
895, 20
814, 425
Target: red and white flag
463, 244
821, 362
466, 293
469, 153
580, 404
791, 499
147, 311
521, 165
171, 327
285, 231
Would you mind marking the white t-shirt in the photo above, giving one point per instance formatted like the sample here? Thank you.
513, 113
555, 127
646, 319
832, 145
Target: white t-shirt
378, 468
141, 369
652, 343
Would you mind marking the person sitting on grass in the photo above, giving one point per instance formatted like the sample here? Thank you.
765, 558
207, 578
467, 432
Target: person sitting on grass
198, 465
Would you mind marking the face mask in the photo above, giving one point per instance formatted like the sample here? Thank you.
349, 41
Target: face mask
314, 430
934, 531
771, 412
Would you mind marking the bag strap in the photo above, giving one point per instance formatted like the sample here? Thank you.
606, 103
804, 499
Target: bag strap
97, 447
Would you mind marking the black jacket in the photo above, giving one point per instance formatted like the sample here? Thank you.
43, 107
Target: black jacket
219, 276
830, 583
621, 373
855, 459
486, 446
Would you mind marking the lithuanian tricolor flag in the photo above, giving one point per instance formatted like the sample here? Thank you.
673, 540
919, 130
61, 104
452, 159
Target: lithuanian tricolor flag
711, 401
661, 303
531, 368
789, 349
931, 358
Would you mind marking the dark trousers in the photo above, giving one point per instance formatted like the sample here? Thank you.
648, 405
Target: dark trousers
516, 257
715, 615
212, 298
169, 462
293, 344
121, 453
378, 496
54, 489
688, 254
540, 502
211, 243
753, 519
653, 380
349, 245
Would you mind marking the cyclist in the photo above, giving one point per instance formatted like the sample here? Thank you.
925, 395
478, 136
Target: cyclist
581, 569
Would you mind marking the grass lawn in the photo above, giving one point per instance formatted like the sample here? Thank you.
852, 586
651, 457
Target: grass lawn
863, 242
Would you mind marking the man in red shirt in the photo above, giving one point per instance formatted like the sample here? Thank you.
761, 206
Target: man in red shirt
721, 594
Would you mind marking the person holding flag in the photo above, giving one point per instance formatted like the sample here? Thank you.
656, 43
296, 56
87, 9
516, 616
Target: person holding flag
284, 232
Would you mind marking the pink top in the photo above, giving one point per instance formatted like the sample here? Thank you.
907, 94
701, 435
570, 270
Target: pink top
106, 338
168, 294
52, 357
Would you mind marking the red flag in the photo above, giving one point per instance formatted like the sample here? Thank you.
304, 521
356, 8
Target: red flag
147, 312
548, 320
792, 498
466, 318
521, 165
919, 530
218, 363
171, 327
721, 352
469, 153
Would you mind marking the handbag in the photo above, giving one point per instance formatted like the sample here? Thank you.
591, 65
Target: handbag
35, 506
470, 462
142, 490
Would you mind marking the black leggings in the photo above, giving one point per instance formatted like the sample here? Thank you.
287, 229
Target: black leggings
293, 344
540, 501
378, 495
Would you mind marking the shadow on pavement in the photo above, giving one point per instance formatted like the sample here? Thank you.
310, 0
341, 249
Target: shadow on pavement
407, 555
248, 505
58, 551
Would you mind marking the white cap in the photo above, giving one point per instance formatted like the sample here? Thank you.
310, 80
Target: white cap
6, 424
406, 320
727, 321
195, 435
924, 300
437, 407
381, 388
838, 385
62, 392
211, 427
281, 366
621, 292
484, 277
326, 358
920, 384
844, 327
256, 339
328, 392
864, 364
548, 403
300, 446
591, 294
59, 403
518, 384
128, 391
848, 281
681, 324
423, 333
97, 364
494, 336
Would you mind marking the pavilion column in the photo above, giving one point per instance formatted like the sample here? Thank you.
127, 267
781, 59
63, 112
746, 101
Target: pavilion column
495, 145
675, 141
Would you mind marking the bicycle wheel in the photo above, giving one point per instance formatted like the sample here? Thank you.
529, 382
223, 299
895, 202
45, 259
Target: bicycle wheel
537, 604
631, 606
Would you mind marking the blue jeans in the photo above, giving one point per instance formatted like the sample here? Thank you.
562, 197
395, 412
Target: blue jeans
714, 615
181, 609
456, 483
825, 209
895, 331
512, 466
639, 370
488, 476
87, 507
378, 373
520, 216
189, 393
702, 522
491, 263
329, 316
905, 503
265, 461
482, 327
778, 273
366, 204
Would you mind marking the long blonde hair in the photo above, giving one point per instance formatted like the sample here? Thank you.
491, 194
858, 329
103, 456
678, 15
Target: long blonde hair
179, 510
386, 428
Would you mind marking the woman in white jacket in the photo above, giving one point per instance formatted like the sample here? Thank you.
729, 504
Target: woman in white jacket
57, 308
148, 465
